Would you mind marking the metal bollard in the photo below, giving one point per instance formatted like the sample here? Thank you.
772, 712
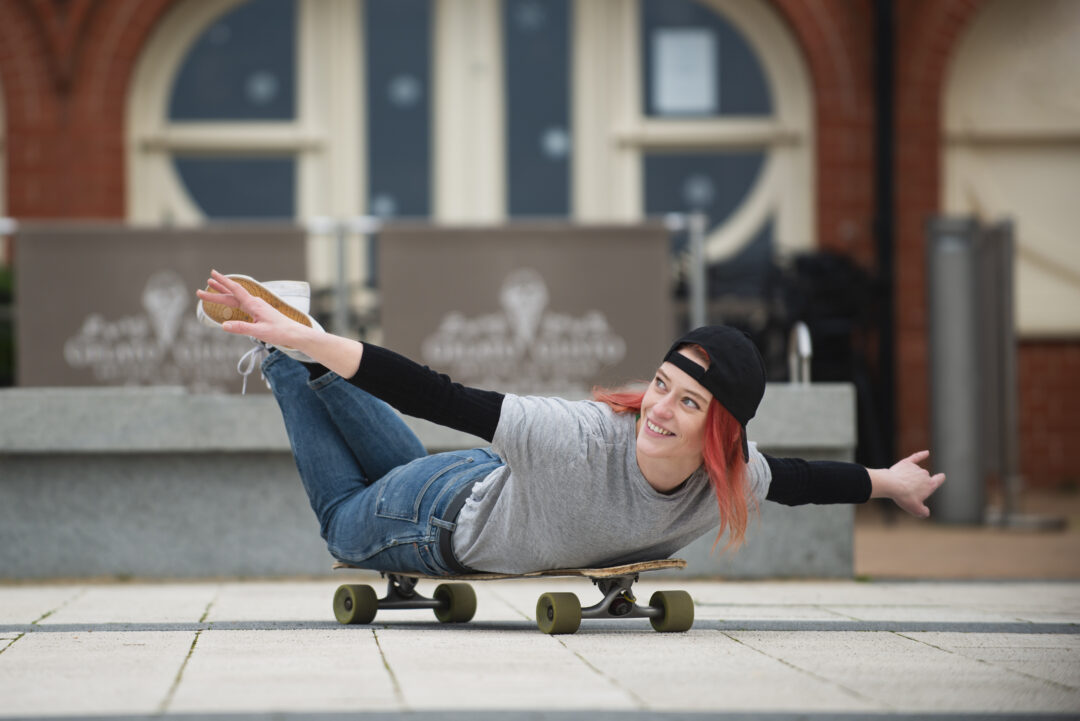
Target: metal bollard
955, 370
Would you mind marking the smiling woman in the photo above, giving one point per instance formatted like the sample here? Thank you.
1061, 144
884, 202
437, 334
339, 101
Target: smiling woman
681, 426
565, 484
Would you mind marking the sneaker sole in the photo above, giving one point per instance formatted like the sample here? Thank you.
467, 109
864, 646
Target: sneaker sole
219, 312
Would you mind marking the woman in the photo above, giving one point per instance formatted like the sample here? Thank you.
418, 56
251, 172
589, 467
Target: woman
627, 477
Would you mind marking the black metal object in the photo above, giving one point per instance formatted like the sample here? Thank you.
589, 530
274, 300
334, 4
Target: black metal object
618, 601
884, 218
401, 593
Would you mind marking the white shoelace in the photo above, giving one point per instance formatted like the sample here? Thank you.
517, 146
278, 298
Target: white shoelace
250, 361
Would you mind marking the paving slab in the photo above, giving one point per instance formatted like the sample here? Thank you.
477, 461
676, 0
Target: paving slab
135, 604
310, 670
273, 601
28, 604
493, 668
1049, 657
758, 651
906, 674
706, 670
90, 673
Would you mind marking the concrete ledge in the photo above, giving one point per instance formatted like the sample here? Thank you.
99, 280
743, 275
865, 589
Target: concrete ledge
158, 482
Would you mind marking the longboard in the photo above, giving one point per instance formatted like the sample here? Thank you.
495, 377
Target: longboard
455, 602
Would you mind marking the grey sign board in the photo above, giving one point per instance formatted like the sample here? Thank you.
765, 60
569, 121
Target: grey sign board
108, 304
549, 309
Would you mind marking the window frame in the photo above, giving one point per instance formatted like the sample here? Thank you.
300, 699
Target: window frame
327, 136
610, 141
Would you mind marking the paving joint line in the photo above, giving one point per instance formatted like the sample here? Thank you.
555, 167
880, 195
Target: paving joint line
638, 700
828, 609
824, 679
399, 694
512, 607
171, 693
1058, 684
45, 615
11, 642
65, 604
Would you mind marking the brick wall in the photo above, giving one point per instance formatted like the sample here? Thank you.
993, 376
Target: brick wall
835, 38
65, 67
1049, 416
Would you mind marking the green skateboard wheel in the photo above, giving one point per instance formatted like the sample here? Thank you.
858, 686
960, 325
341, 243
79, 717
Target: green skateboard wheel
355, 604
459, 600
678, 610
558, 613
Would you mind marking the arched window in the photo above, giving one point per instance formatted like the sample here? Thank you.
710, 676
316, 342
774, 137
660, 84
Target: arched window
1011, 129
708, 106
283, 109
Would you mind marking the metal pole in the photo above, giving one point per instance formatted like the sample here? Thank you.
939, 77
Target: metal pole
800, 353
698, 223
955, 370
341, 288
1010, 404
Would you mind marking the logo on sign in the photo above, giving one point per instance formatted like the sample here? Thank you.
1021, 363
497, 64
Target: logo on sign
525, 347
160, 344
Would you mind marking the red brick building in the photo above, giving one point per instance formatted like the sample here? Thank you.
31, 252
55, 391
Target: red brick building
74, 74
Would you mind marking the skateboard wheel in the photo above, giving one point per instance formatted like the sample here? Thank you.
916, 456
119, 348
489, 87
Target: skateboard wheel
678, 609
459, 601
355, 604
558, 613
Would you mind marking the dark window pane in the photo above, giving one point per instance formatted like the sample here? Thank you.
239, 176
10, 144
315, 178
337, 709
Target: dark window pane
537, 51
242, 67
714, 182
241, 187
398, 41
695, 63
748, 272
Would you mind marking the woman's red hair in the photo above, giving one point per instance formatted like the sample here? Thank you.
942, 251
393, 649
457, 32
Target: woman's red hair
723, 459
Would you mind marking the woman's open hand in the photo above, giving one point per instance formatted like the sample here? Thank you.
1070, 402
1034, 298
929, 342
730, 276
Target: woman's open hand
907, 483
268, 325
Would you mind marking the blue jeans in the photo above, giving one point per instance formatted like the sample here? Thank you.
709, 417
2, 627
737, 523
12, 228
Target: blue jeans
381, 501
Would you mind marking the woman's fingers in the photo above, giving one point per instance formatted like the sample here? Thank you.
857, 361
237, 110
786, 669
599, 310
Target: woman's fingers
918, 456
239, 327
218, 297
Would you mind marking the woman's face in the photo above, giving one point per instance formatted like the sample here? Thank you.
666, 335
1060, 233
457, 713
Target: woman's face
672, 424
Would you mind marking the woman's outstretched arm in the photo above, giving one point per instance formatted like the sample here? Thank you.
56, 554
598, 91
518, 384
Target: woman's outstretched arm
796, 482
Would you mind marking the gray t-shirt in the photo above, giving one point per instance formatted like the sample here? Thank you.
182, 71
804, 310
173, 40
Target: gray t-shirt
571, 494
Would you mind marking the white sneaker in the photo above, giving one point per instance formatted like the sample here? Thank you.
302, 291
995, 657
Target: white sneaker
291, 298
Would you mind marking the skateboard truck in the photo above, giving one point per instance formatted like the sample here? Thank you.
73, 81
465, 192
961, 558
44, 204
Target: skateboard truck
619, 600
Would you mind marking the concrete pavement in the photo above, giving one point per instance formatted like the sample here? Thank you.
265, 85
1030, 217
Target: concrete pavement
758, 650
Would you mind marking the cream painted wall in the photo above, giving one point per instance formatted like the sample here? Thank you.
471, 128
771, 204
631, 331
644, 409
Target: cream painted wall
1012, 148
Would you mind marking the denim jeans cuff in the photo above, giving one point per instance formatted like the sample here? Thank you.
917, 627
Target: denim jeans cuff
274, 357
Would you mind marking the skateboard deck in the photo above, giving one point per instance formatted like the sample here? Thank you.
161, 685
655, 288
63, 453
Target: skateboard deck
455, 602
